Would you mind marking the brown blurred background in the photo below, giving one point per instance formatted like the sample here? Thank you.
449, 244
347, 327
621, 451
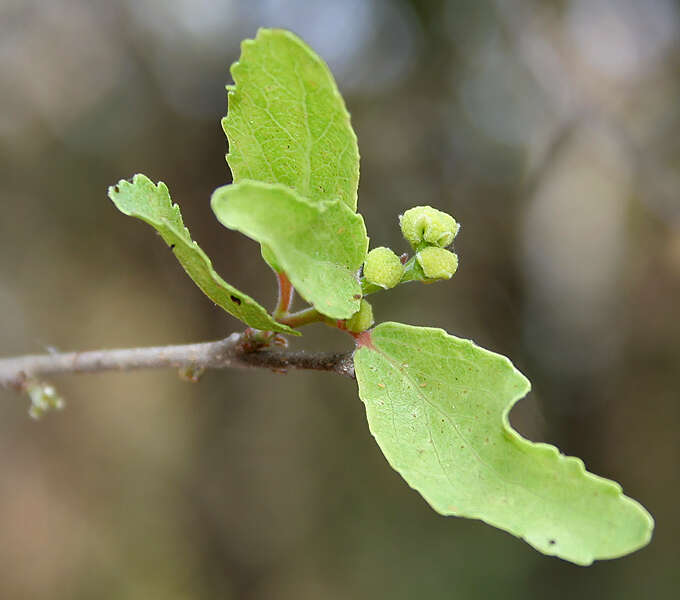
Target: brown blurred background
551, 130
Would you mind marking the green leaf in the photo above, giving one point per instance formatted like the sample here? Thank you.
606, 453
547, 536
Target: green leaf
438, 407
150, 203
287, 122
319, 245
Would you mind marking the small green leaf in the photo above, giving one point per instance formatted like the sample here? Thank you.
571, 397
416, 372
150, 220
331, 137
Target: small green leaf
319, 245
150, 203
438, 407
287, 122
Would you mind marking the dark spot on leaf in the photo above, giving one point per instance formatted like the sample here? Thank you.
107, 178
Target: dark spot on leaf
116, 189
552, 542
172, 246
357, 296
235, 300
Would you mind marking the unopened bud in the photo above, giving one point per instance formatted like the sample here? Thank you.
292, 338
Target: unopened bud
383, 267
437, 263
424, 224
43, 399
361, 320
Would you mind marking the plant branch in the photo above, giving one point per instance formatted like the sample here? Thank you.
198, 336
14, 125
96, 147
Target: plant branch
234, 351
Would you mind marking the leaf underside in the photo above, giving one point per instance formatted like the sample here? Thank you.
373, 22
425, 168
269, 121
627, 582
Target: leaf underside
320, 245
150, 203
438, 407
287, 122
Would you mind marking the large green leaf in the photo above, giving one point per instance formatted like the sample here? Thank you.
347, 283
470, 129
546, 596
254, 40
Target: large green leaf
287, 122
438, 407
148, 202
320, 245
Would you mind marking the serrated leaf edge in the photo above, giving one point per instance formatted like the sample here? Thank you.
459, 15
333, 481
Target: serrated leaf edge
233, 91
185, 237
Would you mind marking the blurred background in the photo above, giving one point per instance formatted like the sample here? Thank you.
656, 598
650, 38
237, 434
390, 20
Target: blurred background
551, 130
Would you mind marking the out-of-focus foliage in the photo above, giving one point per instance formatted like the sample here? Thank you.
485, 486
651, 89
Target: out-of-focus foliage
549, 129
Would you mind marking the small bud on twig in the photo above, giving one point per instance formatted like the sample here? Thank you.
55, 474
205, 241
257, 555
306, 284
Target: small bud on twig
44, 398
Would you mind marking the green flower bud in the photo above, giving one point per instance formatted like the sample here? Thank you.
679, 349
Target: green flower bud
361, 320
437, 263
383, 267
424, 224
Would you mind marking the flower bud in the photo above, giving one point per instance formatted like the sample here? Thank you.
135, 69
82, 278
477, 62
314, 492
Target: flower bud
361, 320
437, 263
424, 224
43, 399
383, 267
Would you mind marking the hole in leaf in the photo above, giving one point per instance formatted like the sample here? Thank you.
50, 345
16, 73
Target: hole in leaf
235, 300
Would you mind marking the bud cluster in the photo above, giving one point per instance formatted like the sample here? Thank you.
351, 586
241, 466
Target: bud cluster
429, 231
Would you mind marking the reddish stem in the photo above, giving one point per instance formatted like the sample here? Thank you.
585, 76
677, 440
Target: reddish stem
286, 293
364, 340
